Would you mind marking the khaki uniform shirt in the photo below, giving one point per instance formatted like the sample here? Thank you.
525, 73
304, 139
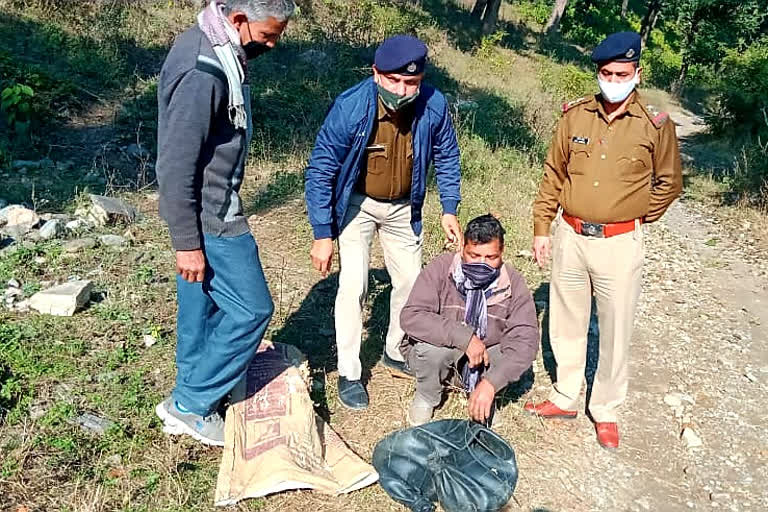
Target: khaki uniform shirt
389, 156
609, 172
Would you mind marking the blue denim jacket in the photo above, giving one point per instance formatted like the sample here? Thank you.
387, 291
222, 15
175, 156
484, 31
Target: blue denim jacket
337, 158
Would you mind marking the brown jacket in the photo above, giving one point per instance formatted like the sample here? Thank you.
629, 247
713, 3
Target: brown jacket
609, 172
434, 314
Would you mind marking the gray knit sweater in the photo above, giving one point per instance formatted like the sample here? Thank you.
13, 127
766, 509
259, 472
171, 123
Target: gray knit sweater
200, 155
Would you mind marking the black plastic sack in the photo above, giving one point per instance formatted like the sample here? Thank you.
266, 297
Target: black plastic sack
460, 464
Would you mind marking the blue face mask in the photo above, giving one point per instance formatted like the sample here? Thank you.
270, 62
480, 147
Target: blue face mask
481, 274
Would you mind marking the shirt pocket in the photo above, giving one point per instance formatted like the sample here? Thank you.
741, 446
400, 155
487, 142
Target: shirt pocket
636, 166
378, 158
578, 157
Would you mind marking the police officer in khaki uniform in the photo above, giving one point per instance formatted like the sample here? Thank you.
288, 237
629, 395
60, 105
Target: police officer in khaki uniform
614, 165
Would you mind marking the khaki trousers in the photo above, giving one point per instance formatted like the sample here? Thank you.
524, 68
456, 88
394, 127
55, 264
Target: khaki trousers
612, 269
402, 255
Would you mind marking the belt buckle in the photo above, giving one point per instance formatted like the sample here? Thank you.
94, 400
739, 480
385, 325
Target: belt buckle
592, 229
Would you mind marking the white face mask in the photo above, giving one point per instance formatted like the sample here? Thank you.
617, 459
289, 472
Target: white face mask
616, 92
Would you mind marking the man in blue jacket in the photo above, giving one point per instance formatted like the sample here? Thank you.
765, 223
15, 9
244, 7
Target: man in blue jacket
368, 174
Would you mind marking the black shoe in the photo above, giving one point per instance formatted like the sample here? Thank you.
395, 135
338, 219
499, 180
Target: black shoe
352, 394
399, 368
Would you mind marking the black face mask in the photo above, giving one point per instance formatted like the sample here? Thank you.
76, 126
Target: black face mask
254, 49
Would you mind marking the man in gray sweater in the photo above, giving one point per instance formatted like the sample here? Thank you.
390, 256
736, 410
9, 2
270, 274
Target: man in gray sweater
470, 310
204, 129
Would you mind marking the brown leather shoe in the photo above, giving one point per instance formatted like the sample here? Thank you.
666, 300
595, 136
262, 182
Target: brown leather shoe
547, 409
607, 435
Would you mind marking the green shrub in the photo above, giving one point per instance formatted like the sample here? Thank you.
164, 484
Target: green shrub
534, 11
742, 91
567, 82
16, 105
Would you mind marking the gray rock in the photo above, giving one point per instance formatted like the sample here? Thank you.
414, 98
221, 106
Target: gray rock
62, 300
78, 245
77, 225
52, 229
111, 209
673, 400
113, 241
92, 423
525, 253
14, 283
149, 340
18, 219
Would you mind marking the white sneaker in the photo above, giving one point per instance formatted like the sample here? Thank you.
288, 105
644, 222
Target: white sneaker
206, 429
420, 412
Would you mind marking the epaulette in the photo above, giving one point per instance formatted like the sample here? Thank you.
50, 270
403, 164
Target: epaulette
568, 106
657, 118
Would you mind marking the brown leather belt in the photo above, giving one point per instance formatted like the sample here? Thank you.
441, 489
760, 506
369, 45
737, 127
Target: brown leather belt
599, 230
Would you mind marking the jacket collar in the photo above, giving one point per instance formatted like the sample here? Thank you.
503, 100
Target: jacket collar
503, 289
633, 107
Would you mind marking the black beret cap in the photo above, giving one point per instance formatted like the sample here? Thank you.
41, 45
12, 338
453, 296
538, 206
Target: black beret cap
618, 47
401, 54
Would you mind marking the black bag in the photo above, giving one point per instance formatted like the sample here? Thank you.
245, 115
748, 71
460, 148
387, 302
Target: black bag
461, 464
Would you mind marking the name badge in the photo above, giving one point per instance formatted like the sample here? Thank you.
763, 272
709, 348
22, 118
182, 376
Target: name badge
580, 140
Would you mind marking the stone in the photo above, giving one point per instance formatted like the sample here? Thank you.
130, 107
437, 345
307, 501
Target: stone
750, 377
149, 340
14, 283
19, 219
78, 245
113, 208
52, 229
719, 496
691, 438
92, 423
77, 225
113, 241
62, 300
673, 400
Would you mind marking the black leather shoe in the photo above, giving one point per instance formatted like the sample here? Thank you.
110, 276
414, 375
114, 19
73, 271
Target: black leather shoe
352, 394
399, 368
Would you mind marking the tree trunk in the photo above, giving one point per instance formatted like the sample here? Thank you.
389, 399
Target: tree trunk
557, 14
690, 35
491, 16
649, 20
479, 8
624, 7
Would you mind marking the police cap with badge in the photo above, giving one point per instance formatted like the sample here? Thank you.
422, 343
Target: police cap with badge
618, 47
401, 54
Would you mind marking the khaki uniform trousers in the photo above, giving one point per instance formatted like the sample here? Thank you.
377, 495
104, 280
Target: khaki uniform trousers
612, 268
402, 256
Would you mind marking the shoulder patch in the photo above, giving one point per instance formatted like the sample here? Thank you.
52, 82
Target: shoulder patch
657, 118
569, 105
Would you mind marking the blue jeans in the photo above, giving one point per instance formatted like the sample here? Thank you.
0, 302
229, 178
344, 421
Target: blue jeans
220, 322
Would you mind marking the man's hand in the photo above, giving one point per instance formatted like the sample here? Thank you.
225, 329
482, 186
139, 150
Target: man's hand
190, 265
452, 229
481, 400
541, 249
322, 255
476, 352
